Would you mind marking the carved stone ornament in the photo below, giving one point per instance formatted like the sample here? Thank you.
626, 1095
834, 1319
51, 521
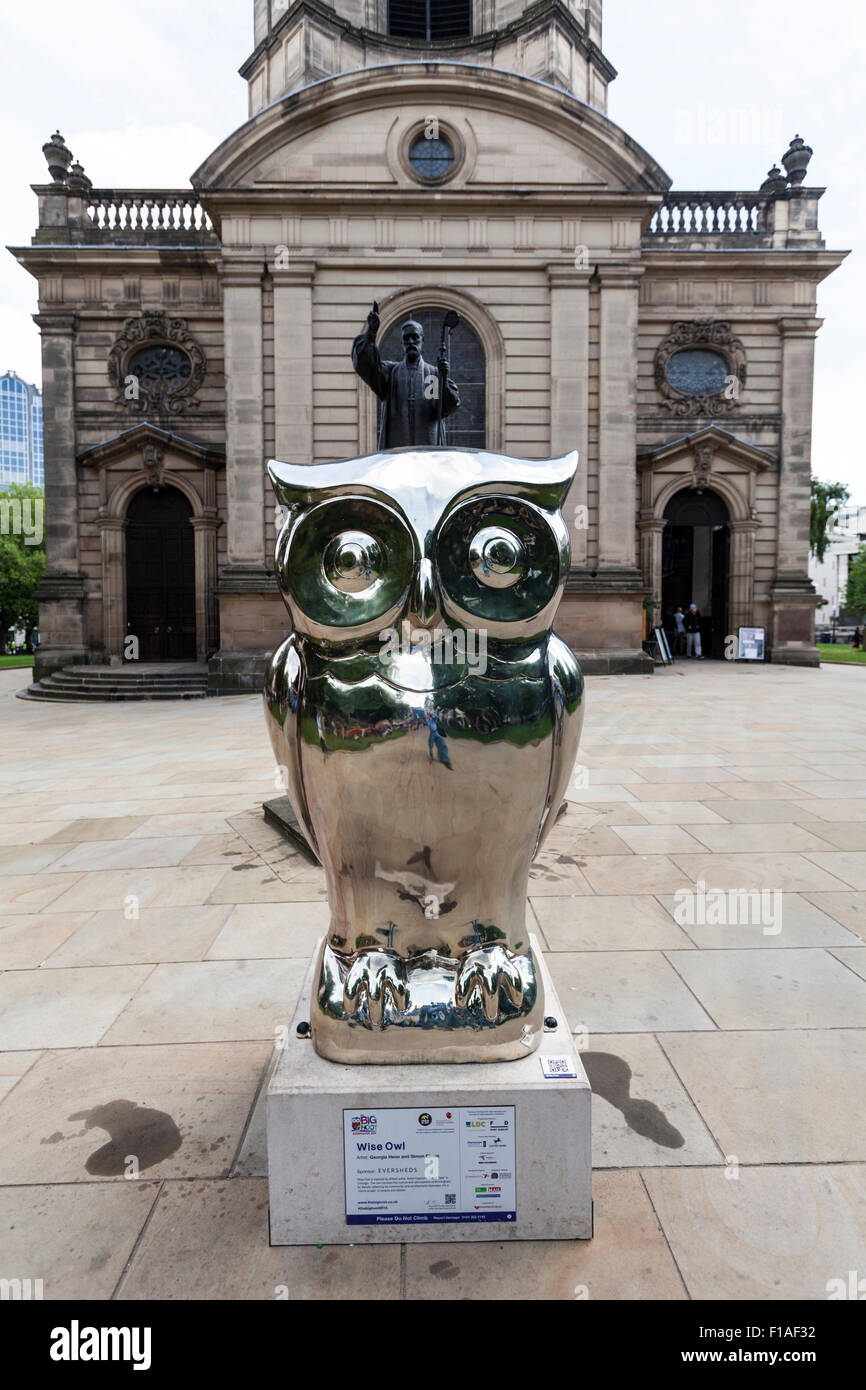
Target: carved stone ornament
704, 454
151, 458
156, 365
701, 336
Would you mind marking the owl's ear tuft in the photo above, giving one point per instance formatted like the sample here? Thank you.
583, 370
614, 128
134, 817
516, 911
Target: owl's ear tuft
292, 482
555, 478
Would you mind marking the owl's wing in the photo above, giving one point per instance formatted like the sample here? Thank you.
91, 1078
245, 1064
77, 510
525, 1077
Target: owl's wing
566, 694
283, 692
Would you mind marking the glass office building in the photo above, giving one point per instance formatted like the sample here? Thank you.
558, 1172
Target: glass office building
21, 458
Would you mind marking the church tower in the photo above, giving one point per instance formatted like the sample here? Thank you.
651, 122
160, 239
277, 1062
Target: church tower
554, 41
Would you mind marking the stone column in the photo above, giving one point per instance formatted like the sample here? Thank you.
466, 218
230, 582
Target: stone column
602, 613
569, 390
293, 362
245, 448
651, 531
61, 590
793, 594
617, 424
206, 618
113, 533
742, 574
246, 582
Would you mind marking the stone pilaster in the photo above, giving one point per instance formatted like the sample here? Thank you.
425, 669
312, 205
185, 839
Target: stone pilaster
617, 442
601, 615
245, 447
61, 591
113, 533
206, 615
793, 594
293, 362
651, 531
569, 394
249, 604
742, 574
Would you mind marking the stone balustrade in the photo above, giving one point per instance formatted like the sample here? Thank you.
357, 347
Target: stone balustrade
713, 214
150, 215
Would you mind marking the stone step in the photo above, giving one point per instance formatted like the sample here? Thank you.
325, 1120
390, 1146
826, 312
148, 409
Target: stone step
44, 691
83, 684
166, 682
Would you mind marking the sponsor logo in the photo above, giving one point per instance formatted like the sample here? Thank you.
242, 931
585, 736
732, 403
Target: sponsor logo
475, 1124
425, 1119
363, 1124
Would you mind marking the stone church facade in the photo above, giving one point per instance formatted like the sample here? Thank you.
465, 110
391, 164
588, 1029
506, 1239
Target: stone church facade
430, 156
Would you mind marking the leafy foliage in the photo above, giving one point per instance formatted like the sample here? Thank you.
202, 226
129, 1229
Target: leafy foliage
21, 564
855, 593
827, 498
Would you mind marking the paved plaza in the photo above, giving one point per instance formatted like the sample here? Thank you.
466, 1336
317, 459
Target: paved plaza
154, 935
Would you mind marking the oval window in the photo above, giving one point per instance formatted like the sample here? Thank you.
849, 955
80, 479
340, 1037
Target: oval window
161, 367
697, 372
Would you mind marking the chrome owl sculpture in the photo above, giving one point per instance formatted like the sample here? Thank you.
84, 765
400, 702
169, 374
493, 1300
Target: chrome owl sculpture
427, 718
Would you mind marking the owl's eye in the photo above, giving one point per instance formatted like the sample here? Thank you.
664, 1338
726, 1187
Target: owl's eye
348, 563
353, 562
500, 559
497, 557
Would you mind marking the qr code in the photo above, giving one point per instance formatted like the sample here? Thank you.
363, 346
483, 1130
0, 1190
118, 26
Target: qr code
557, 1066
450, 1199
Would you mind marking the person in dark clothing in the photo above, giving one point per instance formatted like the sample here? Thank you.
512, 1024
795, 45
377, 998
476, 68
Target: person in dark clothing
692, 624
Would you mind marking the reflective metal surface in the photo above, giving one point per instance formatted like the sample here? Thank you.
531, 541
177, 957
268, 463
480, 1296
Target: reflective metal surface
428, 720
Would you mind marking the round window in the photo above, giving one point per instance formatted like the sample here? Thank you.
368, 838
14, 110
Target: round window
432, 160
160, 368
697, 372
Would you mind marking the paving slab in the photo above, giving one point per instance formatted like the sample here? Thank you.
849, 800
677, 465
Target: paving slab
64, 1008
81, 1115
627, 1258
773, 989
792, 1096
624, 992
211, 1001
612, 923
75, 1237
641, 1113
209, 1240
763, 1233
765, 920
156, 935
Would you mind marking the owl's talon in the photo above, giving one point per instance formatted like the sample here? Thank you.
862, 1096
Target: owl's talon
373, 976
488, 970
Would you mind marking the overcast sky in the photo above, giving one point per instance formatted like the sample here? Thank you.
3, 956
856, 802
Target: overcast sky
713, 89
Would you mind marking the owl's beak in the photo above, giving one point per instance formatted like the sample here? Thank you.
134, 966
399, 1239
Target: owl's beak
424, 602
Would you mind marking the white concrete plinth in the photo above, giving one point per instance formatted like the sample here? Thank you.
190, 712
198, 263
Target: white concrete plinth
307, 1098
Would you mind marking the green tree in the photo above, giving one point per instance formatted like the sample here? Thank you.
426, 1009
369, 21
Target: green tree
22, 555
855, 592
827, 498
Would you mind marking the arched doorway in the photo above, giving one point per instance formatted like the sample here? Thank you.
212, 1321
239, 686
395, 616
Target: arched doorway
696, 563
466, 429
160, 575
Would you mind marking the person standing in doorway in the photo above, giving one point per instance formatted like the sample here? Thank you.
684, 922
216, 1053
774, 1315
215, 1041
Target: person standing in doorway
692, 624
679, 632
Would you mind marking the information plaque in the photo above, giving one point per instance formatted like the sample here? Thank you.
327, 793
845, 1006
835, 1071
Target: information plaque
404, 1167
